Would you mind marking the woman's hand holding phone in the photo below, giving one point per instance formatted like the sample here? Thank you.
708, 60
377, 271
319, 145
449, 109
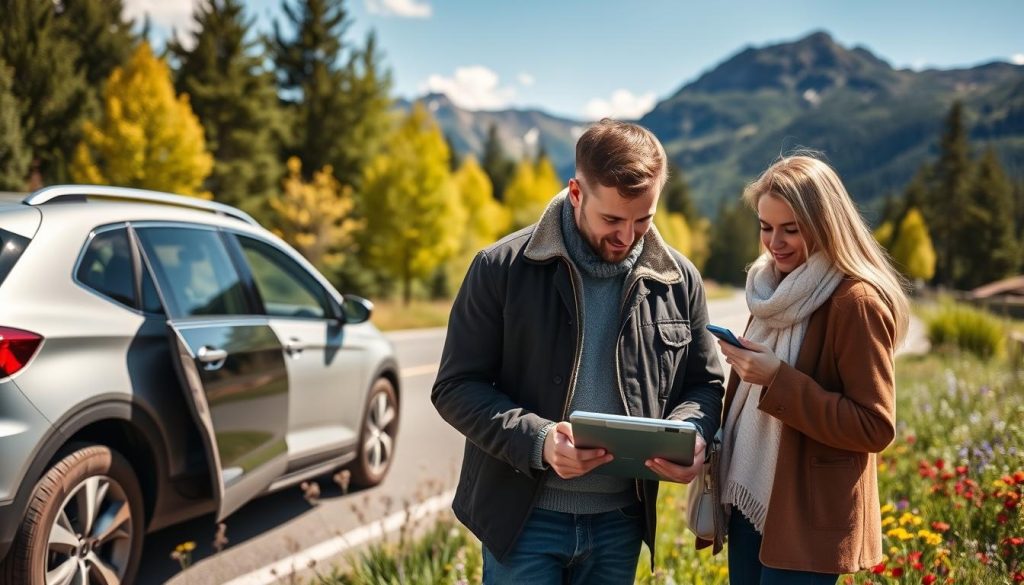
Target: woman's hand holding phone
753, 362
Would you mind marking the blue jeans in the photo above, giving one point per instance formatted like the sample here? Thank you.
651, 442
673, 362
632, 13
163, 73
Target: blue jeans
556, 548
745, 567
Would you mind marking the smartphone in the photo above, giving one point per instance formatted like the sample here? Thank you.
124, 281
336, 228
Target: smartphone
725, 335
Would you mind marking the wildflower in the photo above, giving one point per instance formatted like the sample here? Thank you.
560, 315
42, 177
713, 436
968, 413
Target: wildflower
940, 526
928, 579
897, 572
878, 569
887, 508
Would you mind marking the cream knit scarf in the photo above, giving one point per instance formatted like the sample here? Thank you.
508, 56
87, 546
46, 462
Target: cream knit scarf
780, 310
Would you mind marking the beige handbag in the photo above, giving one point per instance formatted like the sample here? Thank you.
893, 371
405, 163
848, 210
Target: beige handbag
704, 514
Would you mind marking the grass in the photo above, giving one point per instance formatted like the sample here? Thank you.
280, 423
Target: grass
389, 315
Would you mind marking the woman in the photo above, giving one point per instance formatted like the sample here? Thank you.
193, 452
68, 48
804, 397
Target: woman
811, 397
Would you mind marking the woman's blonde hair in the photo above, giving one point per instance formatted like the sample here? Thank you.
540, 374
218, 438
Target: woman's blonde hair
830, 222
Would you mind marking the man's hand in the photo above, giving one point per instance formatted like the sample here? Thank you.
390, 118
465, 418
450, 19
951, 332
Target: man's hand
563, 456
756, 364
669, 471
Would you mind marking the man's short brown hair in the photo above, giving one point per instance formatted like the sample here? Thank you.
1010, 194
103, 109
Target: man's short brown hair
625, 156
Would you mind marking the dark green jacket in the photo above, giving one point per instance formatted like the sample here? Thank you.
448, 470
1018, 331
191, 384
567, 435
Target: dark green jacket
513, 347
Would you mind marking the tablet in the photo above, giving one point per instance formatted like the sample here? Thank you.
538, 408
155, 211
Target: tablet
633, 440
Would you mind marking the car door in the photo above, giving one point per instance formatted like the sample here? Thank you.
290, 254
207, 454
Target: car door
229, 359
327, 369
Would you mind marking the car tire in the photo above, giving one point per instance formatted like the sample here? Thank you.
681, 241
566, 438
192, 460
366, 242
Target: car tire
377, 436
84, 516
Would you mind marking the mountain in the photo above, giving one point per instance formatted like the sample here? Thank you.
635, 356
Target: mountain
522, 132
874, 123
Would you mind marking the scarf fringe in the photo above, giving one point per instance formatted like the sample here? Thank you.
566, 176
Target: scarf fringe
745, 502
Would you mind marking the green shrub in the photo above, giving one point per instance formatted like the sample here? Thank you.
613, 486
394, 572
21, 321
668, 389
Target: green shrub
972, 330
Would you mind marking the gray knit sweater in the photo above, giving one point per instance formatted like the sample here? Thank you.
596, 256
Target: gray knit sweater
596, 389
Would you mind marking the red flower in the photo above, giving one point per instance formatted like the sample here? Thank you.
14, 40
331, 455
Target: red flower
1018, 476
939, 464
1002, 518
897, 571
928, 579
961, 469
1015, 540
878, 569
940, 526
1018, 576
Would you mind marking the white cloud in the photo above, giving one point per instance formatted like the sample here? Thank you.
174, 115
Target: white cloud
472, 88
164, 13
525, 79
1017, 59
623, 105
400, 8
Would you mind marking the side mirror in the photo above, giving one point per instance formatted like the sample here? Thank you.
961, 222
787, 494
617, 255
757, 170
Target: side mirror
356, 309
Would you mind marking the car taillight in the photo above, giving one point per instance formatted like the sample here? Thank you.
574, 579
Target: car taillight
16, 348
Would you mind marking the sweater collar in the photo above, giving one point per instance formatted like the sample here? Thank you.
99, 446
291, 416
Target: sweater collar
584, 257
546, 243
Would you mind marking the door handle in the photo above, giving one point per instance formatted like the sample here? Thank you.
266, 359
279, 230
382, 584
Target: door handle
212, 358
294, 347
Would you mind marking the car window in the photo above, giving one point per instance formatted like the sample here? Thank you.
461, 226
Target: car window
106, 266
194, 270
11, 247
286, 288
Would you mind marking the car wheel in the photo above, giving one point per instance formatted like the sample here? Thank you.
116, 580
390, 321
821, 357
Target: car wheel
377, 438
84, 524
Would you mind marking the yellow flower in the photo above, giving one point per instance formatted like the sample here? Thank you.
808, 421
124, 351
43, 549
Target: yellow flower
887, 508
887, 521
189, 546
900, 533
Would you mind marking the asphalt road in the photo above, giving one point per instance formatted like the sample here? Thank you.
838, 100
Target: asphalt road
282, 524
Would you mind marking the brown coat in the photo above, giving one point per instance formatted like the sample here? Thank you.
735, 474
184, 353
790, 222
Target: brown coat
838, 409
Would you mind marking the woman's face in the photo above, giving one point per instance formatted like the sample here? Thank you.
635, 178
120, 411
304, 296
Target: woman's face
780, 233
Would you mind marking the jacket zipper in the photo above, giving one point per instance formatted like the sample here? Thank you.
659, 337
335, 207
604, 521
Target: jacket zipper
579, 342
618, 373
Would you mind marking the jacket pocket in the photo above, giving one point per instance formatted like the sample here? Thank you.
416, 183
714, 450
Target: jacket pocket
835, 491
674, 337
674, 333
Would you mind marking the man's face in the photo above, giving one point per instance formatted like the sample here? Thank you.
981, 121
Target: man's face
610, 223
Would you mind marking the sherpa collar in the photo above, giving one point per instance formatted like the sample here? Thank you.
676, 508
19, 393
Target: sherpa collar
546, 243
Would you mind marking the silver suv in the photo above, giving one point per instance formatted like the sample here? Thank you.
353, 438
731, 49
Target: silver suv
163, 357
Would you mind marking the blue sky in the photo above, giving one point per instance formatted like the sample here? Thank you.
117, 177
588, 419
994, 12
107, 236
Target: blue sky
585, 59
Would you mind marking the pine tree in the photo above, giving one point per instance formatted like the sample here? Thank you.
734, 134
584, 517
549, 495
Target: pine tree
147, 137
496, 163
236, 101
913, 253
315, 216
52, 94
991, 250
735, 243
14, 154
340, 101
676, 194
410, 203
454, 160
947, 202
104, 38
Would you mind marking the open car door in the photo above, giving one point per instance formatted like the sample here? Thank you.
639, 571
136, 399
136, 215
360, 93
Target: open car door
234, 377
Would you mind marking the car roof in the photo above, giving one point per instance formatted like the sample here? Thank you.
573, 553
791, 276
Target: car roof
96, 205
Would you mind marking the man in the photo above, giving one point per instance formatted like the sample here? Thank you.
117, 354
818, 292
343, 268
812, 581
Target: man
588, 309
